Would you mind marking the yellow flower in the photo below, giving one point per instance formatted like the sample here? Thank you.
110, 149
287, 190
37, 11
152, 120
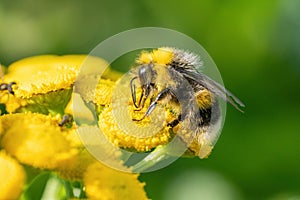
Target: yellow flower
12, 103
45, 82
84, 158
12, 176
119, 138
85, 138
78, 167
42, 74
36, 140
100, 95
104, 183
104, 91
46, 73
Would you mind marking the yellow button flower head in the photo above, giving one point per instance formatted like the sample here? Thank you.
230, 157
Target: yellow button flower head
46, 81
12, 176
104, 183
36, 140
82, 160
78, 167
111, 154
101, 95
119, 138
43, 74
12, 103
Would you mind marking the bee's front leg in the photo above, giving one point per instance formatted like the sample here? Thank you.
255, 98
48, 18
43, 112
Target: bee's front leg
133, 92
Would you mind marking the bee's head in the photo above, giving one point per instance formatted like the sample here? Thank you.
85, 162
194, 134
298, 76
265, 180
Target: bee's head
146, 77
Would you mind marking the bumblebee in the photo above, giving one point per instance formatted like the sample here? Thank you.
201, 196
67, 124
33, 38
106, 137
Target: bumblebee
167, 75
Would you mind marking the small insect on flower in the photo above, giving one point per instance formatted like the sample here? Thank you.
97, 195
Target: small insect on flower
171, 76
5, 88
8, 87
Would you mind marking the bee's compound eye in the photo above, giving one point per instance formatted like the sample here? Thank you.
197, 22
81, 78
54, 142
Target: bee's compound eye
145, 74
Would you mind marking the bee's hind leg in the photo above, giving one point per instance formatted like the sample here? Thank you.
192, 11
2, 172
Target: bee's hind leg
163, 94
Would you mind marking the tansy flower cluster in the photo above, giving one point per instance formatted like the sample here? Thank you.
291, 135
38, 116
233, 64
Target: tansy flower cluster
46, 112
41, 154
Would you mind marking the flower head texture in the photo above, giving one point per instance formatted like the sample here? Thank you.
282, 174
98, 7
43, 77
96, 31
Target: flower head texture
36, 140
82, 138
119, 138
37, 93
104, 183
46, 73
44, 83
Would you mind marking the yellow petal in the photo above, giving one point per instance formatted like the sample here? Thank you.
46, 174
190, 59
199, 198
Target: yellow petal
104, 183
36, 140
12, 176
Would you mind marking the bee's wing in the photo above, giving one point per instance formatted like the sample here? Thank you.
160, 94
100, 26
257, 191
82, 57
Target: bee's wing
214, 87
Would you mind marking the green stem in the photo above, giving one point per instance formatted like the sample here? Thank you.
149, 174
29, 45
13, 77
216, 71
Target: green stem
161, 156
82, 192
158, 155
69, 189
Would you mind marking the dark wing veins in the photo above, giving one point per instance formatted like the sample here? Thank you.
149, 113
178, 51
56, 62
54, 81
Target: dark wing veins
213, 86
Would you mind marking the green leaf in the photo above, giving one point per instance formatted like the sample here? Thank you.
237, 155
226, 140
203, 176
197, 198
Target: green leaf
35, 189
45, 186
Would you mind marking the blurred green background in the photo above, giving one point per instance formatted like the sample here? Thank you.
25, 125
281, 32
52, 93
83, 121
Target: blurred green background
256, 46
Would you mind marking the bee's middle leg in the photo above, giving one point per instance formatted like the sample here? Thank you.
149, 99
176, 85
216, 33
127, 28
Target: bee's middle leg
175, 122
